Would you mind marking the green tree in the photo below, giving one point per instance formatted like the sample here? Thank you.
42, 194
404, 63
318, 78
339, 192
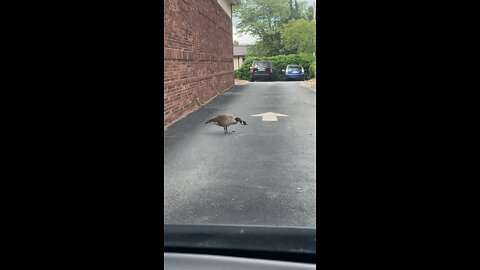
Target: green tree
300, 36
294, 14
262, 48
236, 43
263, 19
310, 13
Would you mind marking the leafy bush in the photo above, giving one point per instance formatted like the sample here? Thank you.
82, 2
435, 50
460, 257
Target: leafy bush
279, 62
312, 69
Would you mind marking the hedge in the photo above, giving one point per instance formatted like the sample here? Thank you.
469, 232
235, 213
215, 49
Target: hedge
279, 62
312, 70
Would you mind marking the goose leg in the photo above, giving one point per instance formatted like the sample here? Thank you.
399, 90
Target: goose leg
225, 129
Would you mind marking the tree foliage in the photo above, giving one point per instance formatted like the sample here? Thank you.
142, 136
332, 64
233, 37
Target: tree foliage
265, 19
300, 36
298, 9
309, 13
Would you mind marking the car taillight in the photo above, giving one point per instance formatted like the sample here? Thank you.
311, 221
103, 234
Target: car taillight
270, 70
303, 70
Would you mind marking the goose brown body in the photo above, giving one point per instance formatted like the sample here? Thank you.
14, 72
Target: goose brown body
225, 120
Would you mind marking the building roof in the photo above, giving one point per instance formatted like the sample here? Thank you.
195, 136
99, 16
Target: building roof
240, 50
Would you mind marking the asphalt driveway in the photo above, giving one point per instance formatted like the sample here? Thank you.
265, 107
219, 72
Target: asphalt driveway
262, 174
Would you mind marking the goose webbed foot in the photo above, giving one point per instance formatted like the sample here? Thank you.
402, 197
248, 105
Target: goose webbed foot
226, 131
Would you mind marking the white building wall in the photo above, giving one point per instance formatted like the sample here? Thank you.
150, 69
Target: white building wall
237, 62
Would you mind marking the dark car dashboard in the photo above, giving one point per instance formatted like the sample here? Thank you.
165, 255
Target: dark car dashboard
238, 247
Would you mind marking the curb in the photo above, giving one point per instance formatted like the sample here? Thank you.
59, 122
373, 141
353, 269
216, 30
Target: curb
309, 86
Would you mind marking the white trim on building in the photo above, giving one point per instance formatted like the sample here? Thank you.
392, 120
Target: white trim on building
227, 5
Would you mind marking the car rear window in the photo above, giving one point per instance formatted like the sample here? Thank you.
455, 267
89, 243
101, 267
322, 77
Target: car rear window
262, 64
294, 67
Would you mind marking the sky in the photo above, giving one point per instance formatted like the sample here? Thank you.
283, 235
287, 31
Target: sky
245, 39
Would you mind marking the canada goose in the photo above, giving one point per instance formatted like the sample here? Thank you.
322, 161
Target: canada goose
225, 120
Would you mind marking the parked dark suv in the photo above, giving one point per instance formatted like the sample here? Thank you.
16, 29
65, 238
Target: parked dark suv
261, 70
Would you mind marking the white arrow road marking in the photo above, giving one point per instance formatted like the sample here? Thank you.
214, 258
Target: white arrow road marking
269, 116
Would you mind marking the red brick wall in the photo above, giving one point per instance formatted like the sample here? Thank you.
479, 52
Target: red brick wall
198, 55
